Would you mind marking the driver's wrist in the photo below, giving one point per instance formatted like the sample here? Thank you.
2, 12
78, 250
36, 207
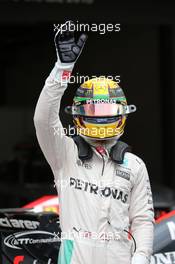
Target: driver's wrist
65, 66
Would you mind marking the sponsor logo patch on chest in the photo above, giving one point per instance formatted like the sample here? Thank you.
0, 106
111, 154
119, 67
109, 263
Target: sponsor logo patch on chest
92, 188
123, 174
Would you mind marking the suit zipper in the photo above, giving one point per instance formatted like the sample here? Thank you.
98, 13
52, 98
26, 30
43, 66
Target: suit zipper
103, 166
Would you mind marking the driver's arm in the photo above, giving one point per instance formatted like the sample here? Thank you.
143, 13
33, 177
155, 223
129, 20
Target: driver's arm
55, 145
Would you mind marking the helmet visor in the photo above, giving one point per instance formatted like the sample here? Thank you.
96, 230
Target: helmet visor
101, 110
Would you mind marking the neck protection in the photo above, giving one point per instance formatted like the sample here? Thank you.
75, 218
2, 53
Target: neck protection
117, 149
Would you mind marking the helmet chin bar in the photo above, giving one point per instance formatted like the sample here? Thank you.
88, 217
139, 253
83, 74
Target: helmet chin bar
106, 143
100, 132
88, 138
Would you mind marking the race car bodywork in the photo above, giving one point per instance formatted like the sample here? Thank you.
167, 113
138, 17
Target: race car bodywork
31, 235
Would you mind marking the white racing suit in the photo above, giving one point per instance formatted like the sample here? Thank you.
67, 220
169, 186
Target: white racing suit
98, 199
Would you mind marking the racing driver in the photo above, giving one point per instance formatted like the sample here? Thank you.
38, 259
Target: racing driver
106, 210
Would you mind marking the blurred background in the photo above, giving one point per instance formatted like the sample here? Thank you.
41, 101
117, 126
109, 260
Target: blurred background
142, 53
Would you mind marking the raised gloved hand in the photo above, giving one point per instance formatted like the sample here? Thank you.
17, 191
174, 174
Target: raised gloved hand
68, 49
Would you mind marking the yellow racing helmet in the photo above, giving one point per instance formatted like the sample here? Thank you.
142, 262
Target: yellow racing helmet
100, 109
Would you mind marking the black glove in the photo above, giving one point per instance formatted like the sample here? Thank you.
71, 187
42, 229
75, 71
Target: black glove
68, 49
